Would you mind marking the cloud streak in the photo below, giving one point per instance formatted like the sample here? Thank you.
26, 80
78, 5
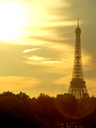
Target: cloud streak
42, 59
29, 50
10, 83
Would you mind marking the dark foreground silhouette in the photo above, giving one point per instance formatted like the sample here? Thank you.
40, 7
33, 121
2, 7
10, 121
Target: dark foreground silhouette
21, 111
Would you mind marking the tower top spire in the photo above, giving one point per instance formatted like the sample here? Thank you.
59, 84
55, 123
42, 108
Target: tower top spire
77, 30
78, 22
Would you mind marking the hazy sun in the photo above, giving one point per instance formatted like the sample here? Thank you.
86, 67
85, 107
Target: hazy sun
11, 20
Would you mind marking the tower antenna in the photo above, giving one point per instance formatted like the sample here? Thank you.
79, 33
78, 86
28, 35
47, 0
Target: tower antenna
78, 22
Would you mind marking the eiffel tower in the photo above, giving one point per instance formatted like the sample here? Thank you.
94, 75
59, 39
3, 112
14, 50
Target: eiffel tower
78, 84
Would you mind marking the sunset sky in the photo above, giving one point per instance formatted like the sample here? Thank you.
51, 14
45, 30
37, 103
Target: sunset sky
37, 43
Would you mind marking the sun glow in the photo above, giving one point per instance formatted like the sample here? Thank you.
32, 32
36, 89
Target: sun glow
11, 20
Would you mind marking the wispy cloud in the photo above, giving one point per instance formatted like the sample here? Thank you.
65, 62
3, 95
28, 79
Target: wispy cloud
34, 58
29, 50
49, 3
42, 59
48, 39
50, 65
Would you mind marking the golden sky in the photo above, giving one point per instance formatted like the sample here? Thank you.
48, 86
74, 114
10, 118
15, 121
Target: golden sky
37, 41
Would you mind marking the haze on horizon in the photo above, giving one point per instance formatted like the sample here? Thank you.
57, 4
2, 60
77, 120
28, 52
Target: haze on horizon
37, 42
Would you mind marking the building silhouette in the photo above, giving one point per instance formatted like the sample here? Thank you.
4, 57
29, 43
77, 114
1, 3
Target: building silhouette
78, 84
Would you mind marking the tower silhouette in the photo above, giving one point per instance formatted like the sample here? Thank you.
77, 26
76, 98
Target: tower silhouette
78, 84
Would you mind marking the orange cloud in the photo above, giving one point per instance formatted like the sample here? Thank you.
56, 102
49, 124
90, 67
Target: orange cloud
9, 83
64, 80
91, 86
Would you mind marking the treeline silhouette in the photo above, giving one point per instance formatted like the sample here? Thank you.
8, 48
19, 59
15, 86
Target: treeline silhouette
21, 111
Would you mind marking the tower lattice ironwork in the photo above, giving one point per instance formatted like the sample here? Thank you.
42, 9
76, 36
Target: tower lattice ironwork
78, 84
